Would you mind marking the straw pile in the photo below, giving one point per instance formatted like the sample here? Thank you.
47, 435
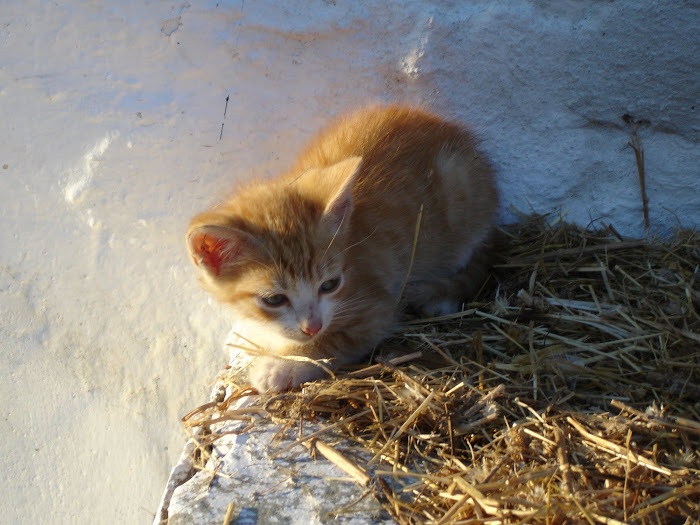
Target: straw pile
569, 392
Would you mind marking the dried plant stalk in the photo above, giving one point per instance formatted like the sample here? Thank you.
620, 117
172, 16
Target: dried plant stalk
635, 143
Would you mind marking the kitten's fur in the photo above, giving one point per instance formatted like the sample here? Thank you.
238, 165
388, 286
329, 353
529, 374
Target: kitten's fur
348, 210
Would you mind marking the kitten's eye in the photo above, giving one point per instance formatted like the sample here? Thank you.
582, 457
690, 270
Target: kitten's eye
329, 285
275, 300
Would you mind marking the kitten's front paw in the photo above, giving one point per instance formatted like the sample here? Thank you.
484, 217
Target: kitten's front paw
271, 374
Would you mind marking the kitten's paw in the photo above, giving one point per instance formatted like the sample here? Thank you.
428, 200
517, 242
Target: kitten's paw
439, 308
429, 297
271, 374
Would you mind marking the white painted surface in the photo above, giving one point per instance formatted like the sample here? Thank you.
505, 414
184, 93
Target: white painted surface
111, 118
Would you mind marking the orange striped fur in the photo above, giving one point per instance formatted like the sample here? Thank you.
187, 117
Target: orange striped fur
315, 260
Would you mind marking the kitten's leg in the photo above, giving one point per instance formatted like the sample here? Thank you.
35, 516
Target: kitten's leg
446, 295
277, 374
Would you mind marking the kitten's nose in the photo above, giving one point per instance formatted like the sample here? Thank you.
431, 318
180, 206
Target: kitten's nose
311, 327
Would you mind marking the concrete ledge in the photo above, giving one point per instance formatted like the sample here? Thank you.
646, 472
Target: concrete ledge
290, 489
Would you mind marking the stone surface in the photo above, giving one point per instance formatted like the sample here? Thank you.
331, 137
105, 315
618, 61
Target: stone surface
292, 489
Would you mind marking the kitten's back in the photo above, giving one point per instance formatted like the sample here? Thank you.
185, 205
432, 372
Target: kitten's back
410, 160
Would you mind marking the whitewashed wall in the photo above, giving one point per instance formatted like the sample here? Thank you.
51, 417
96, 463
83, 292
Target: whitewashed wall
111, 138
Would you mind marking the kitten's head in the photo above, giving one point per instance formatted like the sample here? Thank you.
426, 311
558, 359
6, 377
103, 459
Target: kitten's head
275, 253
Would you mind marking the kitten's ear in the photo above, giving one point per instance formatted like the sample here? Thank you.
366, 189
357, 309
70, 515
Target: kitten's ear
218, 250
340, 205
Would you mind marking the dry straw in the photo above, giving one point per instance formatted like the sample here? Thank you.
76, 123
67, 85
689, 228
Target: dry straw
568, 392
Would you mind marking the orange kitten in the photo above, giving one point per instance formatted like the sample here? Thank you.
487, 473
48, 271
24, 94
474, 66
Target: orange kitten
315, 261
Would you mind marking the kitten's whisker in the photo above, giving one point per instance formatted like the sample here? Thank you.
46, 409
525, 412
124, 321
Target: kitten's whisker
358, 242
361, 296
278, 265
354, 302
352, 307
345, 313
354, 299
335, 234
362, 301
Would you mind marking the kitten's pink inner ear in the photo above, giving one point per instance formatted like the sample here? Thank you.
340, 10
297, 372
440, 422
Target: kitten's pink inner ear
207, 251
339, 211
214, 252
339, 208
